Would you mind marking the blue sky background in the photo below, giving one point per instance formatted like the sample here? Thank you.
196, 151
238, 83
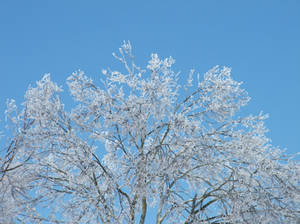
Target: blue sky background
259, 40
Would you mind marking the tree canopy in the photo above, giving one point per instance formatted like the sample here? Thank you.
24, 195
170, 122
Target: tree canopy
139, 144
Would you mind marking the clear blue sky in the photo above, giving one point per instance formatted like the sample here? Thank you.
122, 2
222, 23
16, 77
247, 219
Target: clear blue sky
260, 40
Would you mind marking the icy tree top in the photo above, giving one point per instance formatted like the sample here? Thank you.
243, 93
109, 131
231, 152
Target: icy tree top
141, 145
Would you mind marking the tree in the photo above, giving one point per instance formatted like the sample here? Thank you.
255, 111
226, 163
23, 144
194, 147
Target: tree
140, 143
